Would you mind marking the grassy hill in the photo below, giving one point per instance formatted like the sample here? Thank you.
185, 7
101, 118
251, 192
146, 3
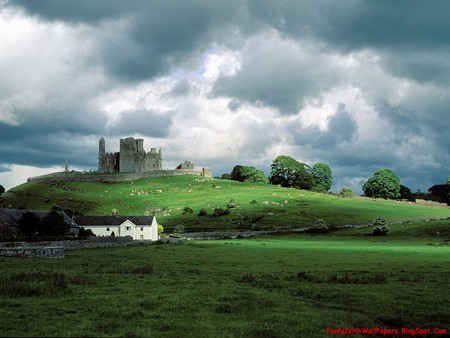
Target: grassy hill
260, 206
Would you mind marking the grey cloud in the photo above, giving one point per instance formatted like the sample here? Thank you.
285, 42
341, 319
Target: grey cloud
52, 148
341, 128
181, 88
279, 73
144, 122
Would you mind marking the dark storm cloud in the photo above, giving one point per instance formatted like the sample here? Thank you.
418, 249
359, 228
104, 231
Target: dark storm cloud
49, 138
154, 36
285, 80
43, 150
290, 54
144, 122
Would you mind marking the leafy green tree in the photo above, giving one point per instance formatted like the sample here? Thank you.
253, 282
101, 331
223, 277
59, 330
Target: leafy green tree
2, 189
384, 184
29, 224
288, 172
323, 178
447, 181
248, 174
53, 224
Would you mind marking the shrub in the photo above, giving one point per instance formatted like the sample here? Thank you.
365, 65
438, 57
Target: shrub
380, 227
220, 212
232, 204
187, 210
202, 212
253, 202
346, 192
160, 229
85, 233
319, 226
179, 229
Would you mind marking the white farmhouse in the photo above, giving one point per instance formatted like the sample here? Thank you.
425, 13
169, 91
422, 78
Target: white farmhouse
138, 227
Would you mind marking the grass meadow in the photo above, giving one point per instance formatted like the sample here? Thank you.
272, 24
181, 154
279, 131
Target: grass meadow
293, 285
260, 206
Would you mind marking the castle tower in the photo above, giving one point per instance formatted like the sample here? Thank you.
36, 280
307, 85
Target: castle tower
101, 146
101, 154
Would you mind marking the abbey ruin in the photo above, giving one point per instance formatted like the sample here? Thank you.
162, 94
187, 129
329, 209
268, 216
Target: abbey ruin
130, 163
131, 157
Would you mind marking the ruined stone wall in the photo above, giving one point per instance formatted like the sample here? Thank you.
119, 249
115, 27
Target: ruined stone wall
153, 160
122, 177
109, 163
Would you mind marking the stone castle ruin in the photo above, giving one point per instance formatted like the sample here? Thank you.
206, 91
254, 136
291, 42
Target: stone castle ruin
131, 161
131, 158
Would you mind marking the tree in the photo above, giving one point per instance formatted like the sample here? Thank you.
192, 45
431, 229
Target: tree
447, 181
29, 224
323, 177
384, 184
226, 176
248, 174
288, 172
441, 193
85, 233
2, 189
53, 224
405, 192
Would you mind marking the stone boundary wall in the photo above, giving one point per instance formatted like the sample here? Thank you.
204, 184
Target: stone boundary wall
119, 177
56, 249
33, 251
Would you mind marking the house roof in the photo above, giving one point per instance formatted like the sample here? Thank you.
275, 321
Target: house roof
11, 217
112, 220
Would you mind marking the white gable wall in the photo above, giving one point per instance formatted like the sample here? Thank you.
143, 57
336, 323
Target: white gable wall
127, 228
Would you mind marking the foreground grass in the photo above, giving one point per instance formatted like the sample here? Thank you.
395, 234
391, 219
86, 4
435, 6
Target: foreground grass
291, 285
260, 206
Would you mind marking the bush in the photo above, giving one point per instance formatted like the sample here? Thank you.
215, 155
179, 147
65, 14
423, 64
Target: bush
319, 226
85, 233
346, 192
220, 212
187, 210
179, 229
202, 212
232, 204
380, 227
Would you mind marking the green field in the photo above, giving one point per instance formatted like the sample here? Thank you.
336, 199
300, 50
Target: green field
261, 206
278, 286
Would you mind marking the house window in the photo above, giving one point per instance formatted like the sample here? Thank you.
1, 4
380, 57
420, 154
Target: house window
107, 229
127, 228
142, 228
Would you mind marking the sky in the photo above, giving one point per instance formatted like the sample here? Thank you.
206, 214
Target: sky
359, 85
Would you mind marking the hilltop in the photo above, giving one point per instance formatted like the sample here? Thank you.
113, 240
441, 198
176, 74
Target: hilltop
254, 206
